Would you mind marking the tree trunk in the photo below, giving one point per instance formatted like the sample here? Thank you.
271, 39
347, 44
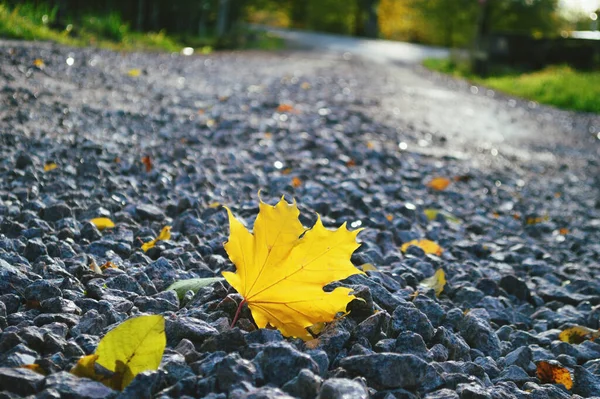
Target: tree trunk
223, 18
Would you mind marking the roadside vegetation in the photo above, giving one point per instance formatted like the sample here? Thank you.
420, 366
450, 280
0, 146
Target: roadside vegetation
38, 22
561, 86
29, 21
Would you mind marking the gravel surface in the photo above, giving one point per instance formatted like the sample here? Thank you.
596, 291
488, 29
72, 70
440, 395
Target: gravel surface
357, 145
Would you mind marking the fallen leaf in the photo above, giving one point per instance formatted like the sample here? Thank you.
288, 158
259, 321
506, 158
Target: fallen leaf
108, 265
281, 268
305, 85
563, 231
192, 284
95, 268
102, 223
437, 282
432, 214
147, 161
134, 73
365, 267
214, 204
439, 183
85, 367
132, 347
286, 171
428, 246
285, 108
39, 63
537, 219
370, 145
550, 372
296, 182
389, 217
34, 367
463, 178
351, 163
578, 334
50, 166
138, 343
165, 234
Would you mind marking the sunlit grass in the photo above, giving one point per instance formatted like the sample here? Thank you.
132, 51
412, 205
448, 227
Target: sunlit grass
560, 86
33, 22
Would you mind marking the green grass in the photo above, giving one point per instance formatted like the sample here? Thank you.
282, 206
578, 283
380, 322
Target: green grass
560, 86
33, 22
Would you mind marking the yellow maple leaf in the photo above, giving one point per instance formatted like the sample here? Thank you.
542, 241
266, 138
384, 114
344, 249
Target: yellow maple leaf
281, 268
165, 234
430, 247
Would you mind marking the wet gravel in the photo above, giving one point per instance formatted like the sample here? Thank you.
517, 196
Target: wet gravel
216, 134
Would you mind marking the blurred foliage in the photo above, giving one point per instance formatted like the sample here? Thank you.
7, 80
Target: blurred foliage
441, 22
38, 22
560, 86
87, 25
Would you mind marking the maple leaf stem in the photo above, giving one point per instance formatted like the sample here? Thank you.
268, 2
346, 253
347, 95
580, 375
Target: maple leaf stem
237, 313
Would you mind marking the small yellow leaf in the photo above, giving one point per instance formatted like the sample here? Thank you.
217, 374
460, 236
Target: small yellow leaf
85, 367
102, 223
432, 214
39, 63
389, 217
214, 204
34, 367
134, 73
165, 234
439, 183
537, 219
368, 267
296, 182
50, 166
428, 246
578, 334
132, 347
550, 372
437, 282
305, 85
281, 268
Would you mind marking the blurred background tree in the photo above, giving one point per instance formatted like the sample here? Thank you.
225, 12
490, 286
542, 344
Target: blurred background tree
439, 22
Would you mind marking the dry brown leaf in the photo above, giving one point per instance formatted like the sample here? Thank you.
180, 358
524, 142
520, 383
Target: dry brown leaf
551, 372
578, 334
285, 108
108, 265
296, 182
147, 161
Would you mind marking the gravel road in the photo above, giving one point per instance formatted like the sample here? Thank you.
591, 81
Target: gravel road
354, 140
